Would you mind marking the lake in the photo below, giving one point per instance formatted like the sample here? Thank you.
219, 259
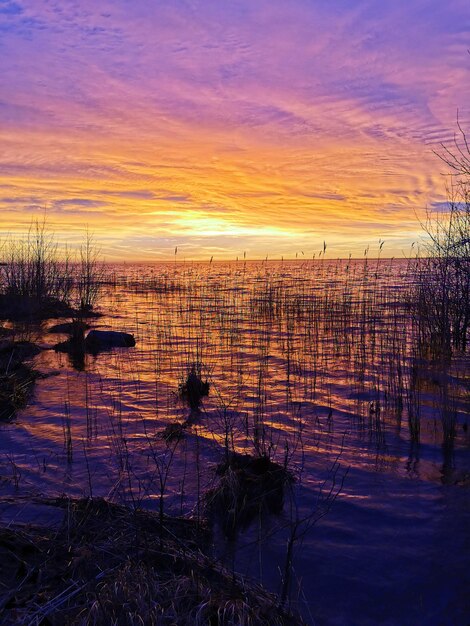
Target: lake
316, 364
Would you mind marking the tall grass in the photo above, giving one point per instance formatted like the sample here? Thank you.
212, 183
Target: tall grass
38, 279
31, 268
443, 282
91, 275
443, 288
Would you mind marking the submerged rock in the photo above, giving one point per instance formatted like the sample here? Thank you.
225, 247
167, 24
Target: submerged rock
174, 431
74, 346
97, 340
77, 345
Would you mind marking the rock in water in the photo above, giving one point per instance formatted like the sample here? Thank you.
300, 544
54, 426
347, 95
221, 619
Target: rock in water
105, 339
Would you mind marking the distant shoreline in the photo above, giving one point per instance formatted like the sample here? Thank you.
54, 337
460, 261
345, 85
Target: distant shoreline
242, 261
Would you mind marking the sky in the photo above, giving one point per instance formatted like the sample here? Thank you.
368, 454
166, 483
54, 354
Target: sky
223, 127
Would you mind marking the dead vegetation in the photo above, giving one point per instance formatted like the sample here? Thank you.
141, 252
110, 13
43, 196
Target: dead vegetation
247, 486
107, 564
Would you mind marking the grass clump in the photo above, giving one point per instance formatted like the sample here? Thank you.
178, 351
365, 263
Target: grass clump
194, 389
247, 486
34, 283
174, 431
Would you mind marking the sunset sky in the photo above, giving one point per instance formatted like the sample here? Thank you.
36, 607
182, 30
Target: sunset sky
222, 126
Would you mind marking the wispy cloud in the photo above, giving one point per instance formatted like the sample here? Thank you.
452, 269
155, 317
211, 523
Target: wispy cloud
256, 124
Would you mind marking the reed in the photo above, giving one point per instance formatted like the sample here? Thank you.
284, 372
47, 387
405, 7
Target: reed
40, 281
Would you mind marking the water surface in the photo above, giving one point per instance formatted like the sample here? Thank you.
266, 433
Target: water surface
314, 363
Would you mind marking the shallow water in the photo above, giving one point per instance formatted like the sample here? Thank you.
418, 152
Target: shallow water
315, 355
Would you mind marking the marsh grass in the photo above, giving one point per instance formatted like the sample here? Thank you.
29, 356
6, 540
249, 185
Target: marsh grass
34, 282
39, 281
443, 286
286, 333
